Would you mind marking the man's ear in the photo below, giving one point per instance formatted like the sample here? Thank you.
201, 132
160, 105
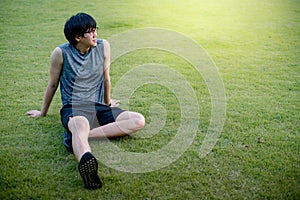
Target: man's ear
78, 38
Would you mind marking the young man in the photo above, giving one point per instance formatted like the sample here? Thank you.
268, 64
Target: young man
81, 67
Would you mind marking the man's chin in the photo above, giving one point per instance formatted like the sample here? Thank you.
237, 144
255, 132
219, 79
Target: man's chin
94, 43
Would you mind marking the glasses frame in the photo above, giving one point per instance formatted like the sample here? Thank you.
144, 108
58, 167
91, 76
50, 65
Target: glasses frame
92, 31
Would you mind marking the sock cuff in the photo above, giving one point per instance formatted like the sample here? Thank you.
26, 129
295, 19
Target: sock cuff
87, 156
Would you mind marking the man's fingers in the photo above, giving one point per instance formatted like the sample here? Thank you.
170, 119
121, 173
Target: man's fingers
115, 103
33, 113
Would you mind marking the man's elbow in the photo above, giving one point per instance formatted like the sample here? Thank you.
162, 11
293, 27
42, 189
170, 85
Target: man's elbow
52, 86
106, 82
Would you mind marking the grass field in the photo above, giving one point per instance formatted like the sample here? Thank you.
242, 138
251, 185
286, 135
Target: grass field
256, 48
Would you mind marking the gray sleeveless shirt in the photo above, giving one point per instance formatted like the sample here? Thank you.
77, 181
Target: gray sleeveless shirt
81, 79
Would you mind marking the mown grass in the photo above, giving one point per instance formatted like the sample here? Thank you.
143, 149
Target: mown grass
255, 45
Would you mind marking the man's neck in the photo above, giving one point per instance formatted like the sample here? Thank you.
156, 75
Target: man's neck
82, 49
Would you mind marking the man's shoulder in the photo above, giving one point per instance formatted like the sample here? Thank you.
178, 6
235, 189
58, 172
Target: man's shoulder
56, 55
99, 41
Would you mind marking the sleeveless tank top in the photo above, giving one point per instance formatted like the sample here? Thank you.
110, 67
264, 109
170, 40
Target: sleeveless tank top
81, 79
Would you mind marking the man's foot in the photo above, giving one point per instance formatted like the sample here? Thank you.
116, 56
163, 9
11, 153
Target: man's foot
88, 169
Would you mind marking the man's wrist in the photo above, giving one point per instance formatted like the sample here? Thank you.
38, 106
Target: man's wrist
108, 103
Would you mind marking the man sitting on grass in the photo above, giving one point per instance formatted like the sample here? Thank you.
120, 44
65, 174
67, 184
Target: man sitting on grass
81, 67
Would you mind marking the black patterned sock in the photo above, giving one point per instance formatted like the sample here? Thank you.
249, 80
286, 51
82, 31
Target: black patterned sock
88, 169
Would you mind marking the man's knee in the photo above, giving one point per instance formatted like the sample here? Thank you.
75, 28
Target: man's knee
135, 121
78, 123
139, 120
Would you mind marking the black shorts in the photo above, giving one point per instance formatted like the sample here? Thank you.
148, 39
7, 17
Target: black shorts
96, 114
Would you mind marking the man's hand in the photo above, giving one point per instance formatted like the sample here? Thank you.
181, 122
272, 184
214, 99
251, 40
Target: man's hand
114, 103
34, 113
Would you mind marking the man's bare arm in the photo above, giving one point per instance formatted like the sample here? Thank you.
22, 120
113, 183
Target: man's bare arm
106, 72
56, 61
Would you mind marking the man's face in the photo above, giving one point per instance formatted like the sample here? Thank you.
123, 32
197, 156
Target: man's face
90, 37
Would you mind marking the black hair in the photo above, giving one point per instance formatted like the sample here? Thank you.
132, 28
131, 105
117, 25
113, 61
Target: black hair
77, 25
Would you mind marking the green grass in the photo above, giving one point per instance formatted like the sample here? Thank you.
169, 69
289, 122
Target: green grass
256, 47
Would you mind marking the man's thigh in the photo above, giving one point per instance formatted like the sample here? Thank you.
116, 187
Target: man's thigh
70, 111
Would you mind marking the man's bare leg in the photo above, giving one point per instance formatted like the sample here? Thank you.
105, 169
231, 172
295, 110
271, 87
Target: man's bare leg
88, 165
126, 123
80, 128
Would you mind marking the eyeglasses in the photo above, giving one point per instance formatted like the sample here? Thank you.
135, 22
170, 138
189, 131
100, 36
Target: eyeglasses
92, 31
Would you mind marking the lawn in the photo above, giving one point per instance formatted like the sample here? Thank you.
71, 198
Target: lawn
253, 50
